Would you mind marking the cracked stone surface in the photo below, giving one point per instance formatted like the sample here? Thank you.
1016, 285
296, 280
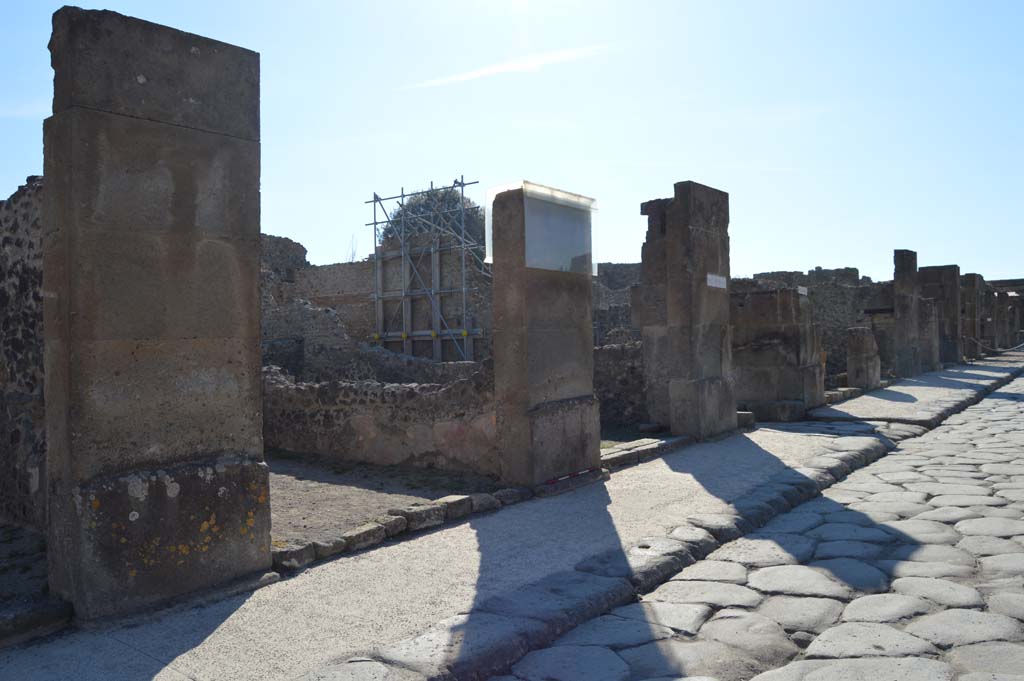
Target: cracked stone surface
910, 569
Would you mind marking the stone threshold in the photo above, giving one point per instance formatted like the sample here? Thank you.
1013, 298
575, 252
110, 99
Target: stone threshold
508, 626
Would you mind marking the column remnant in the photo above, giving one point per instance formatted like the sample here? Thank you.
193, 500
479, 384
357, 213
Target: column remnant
863, 366
151, 221
682, 307
906, 297
942, 283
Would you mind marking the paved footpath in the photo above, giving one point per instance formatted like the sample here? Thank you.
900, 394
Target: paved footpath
911, 569
477, 596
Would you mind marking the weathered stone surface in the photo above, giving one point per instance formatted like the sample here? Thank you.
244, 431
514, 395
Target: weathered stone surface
683, 617
991, 527
948, 514
995, 658
456, 506
572, 663
366, 535
857, 639
614, 632
921, 532
967, 500
886, 608
758, 636
981, 545
325, 548
926, 553
850, 532
909, 568
762, 550
847, 549
958, 627
879, 669
941, 591
792, 523
393, 524
645, 571
468, 646
854, 573
420, 516
512, 495
672, 657
1004, 565
798, 580
1007, 603
714, 571
801, 613
713, 593
723, 526
484, 502
700, 541
292, 556
363, 670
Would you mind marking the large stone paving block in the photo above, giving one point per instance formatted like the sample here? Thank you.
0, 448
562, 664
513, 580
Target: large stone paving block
124, 391
144, 537
130, 175
171, 76
672, 658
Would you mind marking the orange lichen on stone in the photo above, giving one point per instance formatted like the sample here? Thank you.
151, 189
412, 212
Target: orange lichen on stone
95, 503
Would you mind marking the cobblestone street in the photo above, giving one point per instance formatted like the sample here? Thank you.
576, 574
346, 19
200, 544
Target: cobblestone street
911, 568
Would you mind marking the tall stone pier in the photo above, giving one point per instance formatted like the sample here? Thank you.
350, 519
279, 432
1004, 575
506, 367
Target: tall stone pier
1002, 320
942, 284
863, 366
548, 419
682, 307
151, 220
929, 339
972, 289
776, 354
906, 297
989, 328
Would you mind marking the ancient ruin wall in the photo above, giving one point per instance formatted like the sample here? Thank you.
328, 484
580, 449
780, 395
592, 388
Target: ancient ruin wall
22, 426
619, 383
450, 427
347, 288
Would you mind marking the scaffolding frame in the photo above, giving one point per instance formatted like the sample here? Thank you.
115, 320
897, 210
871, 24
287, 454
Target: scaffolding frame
440, 222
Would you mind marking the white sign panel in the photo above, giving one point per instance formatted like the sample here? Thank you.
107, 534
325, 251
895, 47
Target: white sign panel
716, 280
802, 290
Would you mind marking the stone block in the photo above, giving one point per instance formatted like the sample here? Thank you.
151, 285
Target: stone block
456, 506
420, 516
392, 524
122, 65
484, 502
366, 535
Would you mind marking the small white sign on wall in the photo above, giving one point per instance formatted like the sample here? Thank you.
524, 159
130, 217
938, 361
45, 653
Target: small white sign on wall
802, 290
716, 280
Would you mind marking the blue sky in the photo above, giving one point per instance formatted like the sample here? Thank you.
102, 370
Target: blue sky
840, 130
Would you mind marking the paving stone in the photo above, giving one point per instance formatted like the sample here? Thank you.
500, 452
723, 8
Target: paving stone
760, 637
991, 527
572, 663
672, 657
1012, 512
847, 549
801, 613
870, 519
614, 632
1011, 494
456, 506
877, 669
798, 580
910, 568
393, 524
699, 540
967, 500
916, 531
985, 676
959, 627
898, 497
420, 516
901, 509
868, 487
760, 550
925, 553
713, 593
684, 617
1007, 603
941, 591
1003, 468
366, 535
939, 489
981, 545
854, 573
723, 526
849, 532
1003, 565
886, 608
714, 571
862, 639
948, 514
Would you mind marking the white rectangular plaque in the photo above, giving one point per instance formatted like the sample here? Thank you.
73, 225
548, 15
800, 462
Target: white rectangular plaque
716, 280
802, 290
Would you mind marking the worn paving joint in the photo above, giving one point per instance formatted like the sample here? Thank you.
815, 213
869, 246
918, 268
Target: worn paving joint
506, 627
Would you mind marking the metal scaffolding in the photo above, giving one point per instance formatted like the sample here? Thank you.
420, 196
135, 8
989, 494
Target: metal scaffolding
409, 230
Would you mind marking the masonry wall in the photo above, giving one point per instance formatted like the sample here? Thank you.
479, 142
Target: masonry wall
345, 287
619, 383
22, 411
450, 426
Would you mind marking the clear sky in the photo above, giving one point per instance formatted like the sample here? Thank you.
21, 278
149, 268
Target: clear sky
841, 130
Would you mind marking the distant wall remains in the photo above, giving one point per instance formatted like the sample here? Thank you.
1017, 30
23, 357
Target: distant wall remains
22, 426
619, 383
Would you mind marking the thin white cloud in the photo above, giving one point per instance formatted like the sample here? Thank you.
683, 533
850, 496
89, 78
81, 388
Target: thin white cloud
533, 62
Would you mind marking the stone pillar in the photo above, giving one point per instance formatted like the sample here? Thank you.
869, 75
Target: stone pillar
151, 219
863, 366
776, 354
905, 305
1002, 320
682, 307
942, 284
989, 334
972, 287
548, 420
929, 340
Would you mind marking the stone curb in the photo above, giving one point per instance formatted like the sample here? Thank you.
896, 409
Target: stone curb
548, 608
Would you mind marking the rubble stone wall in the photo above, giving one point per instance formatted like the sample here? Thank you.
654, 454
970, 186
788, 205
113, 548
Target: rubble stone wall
619, 383
22, 425
450, 427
